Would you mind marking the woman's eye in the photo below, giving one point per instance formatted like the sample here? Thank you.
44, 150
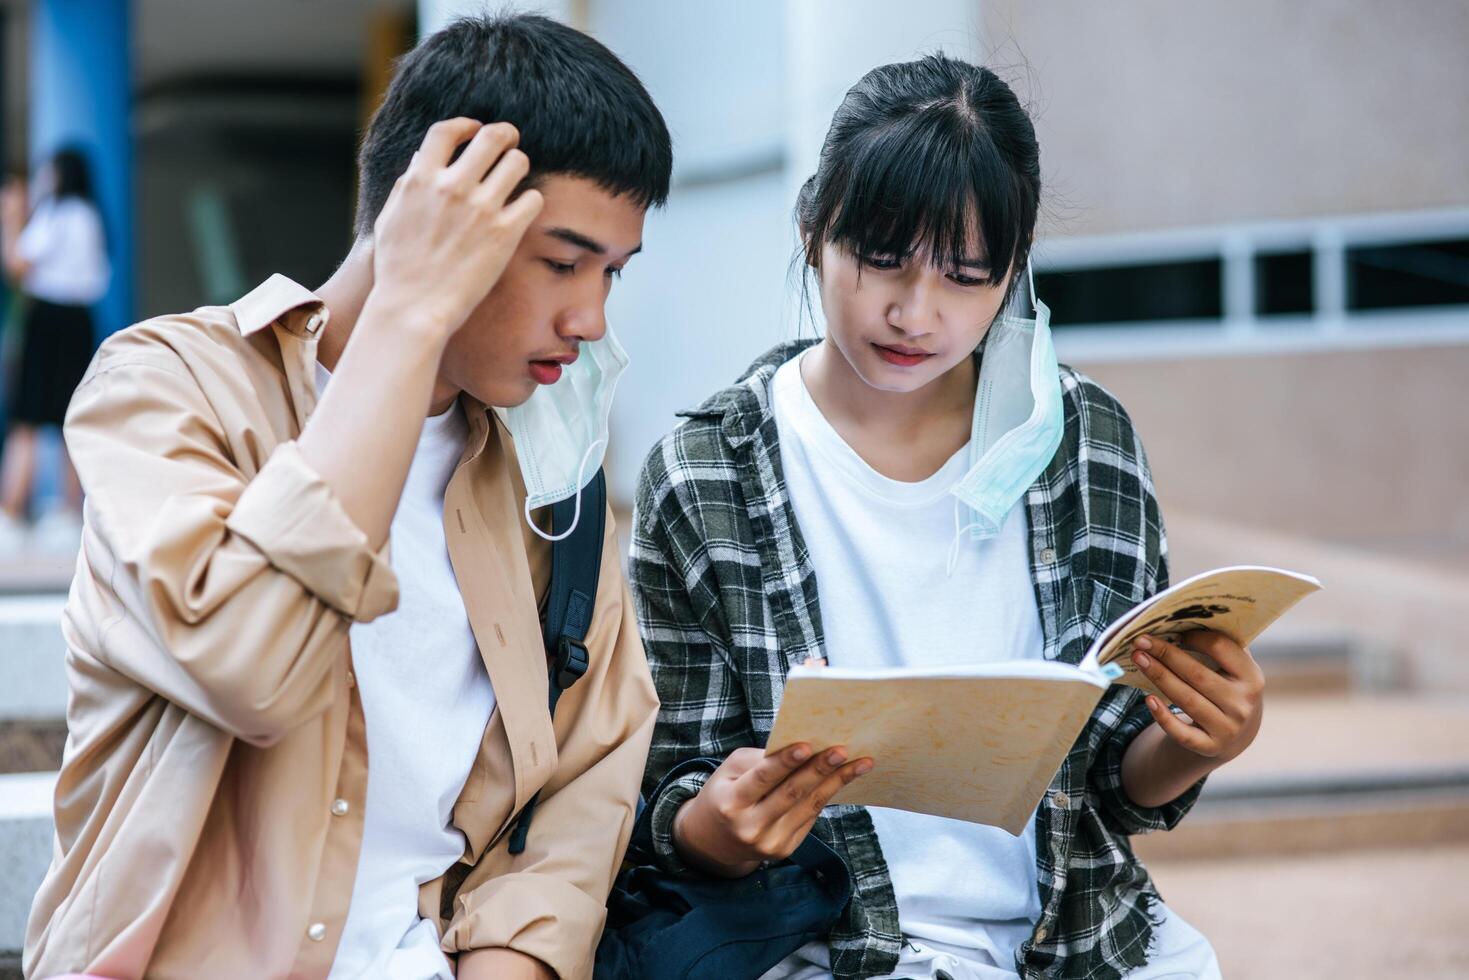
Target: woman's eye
561, 268
613, 273
963, 280
881, 261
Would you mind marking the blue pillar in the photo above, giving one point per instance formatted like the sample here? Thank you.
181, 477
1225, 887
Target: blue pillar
81, 94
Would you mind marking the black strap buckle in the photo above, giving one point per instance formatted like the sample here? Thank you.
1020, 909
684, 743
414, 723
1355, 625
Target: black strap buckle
572, 662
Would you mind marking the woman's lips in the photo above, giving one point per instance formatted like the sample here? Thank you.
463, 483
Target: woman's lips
898, 357
545, 372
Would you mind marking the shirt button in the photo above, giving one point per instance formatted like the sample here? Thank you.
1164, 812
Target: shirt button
340, 808
1061, 800
317, 932
1048, 555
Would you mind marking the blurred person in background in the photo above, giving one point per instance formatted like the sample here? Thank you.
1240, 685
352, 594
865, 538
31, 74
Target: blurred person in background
57, 256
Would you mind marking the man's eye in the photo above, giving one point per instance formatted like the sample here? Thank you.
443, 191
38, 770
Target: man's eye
561, 268
881, 261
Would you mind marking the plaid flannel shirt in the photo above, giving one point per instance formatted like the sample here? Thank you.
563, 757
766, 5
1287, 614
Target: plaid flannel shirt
727, 601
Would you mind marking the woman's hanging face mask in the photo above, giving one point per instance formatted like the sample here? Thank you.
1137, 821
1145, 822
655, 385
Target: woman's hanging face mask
902, 322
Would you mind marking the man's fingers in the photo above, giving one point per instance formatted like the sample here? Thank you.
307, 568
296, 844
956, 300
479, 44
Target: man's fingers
1191, 738
443, 138
484, 151
753, 785
503, 178
523, 210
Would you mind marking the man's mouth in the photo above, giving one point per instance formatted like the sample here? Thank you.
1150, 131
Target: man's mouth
547, 370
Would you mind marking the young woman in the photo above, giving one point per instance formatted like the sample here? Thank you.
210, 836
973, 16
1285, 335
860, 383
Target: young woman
923, 486
58, 257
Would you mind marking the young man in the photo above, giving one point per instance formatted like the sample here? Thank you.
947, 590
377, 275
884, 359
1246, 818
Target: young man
270, 771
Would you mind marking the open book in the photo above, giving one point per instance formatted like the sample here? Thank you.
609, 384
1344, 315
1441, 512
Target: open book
982, 742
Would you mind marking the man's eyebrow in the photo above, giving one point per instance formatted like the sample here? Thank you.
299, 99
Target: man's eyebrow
576, 238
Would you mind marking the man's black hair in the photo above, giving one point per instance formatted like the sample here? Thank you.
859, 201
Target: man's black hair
581, 112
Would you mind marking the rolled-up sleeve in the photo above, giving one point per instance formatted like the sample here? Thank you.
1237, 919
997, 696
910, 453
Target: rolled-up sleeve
1126, 716
237, 591
290, 514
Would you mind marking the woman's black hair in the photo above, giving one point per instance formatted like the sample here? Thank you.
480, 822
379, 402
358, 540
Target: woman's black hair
934, 157
73, 176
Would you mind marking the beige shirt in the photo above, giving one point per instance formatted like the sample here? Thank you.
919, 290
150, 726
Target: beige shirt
209, 810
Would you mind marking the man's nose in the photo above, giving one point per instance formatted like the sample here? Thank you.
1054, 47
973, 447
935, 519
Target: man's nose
587, 322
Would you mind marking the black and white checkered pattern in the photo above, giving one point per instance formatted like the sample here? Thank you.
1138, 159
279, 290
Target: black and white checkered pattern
726, 595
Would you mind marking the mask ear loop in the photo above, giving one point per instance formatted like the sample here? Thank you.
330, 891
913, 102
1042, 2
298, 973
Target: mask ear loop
960, 529
575, 514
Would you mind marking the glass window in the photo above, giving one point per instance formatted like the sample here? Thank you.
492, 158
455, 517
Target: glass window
1423, 273
1156, 291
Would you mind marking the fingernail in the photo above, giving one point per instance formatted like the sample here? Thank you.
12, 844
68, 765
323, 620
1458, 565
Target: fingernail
1143, 643
1153, 703
864, 767
836, 757
1141, 659
801, 753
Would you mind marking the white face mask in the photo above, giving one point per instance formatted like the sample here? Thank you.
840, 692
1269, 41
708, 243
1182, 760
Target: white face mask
1018, 422
560, 432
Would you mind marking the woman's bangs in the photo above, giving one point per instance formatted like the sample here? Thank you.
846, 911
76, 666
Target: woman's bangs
919, 187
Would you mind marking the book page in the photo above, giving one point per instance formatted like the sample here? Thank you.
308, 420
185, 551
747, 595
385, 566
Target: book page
981, 747
1239, 602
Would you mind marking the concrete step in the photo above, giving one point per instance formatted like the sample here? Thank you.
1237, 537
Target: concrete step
26, 832
32, 658
31, 746
1311, 663
1334, 773
1408, 606
36, 575
1350, 915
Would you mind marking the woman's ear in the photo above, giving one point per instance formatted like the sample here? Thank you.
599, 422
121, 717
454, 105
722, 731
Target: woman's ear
811, 255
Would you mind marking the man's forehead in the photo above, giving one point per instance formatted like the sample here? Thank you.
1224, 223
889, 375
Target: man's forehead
584, 214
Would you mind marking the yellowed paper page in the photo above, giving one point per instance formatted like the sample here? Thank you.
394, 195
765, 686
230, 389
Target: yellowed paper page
1239, 602
980, 747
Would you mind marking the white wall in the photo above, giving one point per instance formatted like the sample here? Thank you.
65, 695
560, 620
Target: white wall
1153, 114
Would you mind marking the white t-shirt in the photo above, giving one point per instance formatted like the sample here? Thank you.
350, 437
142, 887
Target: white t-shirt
427, 700
67, 252
967, 894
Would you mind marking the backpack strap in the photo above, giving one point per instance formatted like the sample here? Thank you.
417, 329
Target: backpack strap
576, 565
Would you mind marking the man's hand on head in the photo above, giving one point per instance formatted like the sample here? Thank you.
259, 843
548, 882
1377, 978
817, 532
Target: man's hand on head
448, 228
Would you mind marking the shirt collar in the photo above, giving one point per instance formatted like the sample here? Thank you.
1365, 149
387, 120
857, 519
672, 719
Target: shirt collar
280, 300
